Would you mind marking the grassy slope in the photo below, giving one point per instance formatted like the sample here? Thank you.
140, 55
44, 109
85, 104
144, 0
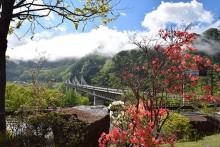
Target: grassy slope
208, 141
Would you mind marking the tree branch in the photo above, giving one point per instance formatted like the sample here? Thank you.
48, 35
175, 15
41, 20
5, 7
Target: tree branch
0, 4
63, 11
19, 4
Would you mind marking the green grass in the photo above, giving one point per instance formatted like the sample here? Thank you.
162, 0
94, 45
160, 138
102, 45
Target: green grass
208, 141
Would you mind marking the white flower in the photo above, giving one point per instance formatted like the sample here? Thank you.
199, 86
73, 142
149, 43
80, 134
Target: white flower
118, 103
115, 105
109, 106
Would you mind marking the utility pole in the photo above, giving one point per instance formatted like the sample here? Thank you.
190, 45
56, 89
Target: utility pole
212, 81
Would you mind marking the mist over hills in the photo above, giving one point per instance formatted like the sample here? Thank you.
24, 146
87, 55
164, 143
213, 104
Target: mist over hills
98, 69
208, 43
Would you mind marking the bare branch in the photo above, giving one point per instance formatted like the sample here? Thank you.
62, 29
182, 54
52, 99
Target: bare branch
19, 4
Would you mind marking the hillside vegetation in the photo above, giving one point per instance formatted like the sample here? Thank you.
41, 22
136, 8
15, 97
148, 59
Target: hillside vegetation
17, 70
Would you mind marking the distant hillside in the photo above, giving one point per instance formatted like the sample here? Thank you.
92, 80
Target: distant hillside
208, 44
87, 67
213, 34
110, 73
16, 70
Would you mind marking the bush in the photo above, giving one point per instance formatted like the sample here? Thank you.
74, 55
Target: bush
46, 129
179, 125
82, 101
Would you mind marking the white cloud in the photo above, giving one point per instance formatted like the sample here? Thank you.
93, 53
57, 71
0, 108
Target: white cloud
61, 28
211, 47
102, 40
200, 28
42, 35
15, 41
123, 14
177, 13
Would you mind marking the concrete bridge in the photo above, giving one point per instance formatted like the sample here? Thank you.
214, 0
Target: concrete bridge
99, 93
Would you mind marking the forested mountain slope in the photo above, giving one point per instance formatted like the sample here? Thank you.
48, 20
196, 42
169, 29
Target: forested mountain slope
18, 70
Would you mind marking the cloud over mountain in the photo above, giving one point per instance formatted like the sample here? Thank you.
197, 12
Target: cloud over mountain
102, 40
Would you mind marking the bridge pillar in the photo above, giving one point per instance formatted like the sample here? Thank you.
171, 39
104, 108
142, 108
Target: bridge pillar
94, 100
97, 101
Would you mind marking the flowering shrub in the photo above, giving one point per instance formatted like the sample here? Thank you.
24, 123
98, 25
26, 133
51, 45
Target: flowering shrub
169, 69
135, 128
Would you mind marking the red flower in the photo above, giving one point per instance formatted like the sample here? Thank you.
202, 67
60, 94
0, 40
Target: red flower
187, 97
130, 75
155, 60
194, 78
198, 58
166, 81
207, 87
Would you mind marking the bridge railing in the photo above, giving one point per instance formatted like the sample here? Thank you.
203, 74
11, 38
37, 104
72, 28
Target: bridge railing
109, 90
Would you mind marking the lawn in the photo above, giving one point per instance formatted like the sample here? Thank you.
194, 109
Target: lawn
208, 141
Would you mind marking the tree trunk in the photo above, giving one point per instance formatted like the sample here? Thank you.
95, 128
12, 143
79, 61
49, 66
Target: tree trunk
6, 15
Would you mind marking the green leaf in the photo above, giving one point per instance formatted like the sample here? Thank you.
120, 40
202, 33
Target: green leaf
11, 30
76, 24
29, 18
18, 25
77, 10
110, 20
58, 1
104, 22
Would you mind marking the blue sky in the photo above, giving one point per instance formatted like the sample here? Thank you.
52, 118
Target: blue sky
138, 10
144, 16
135, 12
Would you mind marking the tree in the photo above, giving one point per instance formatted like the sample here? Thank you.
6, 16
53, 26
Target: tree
32, 10
168, 70
16, 95
38, 89
70, 98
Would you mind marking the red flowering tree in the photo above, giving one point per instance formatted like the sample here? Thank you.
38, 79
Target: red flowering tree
169, 69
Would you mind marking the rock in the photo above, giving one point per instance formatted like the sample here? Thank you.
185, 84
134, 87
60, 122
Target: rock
97, 119
204, 124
